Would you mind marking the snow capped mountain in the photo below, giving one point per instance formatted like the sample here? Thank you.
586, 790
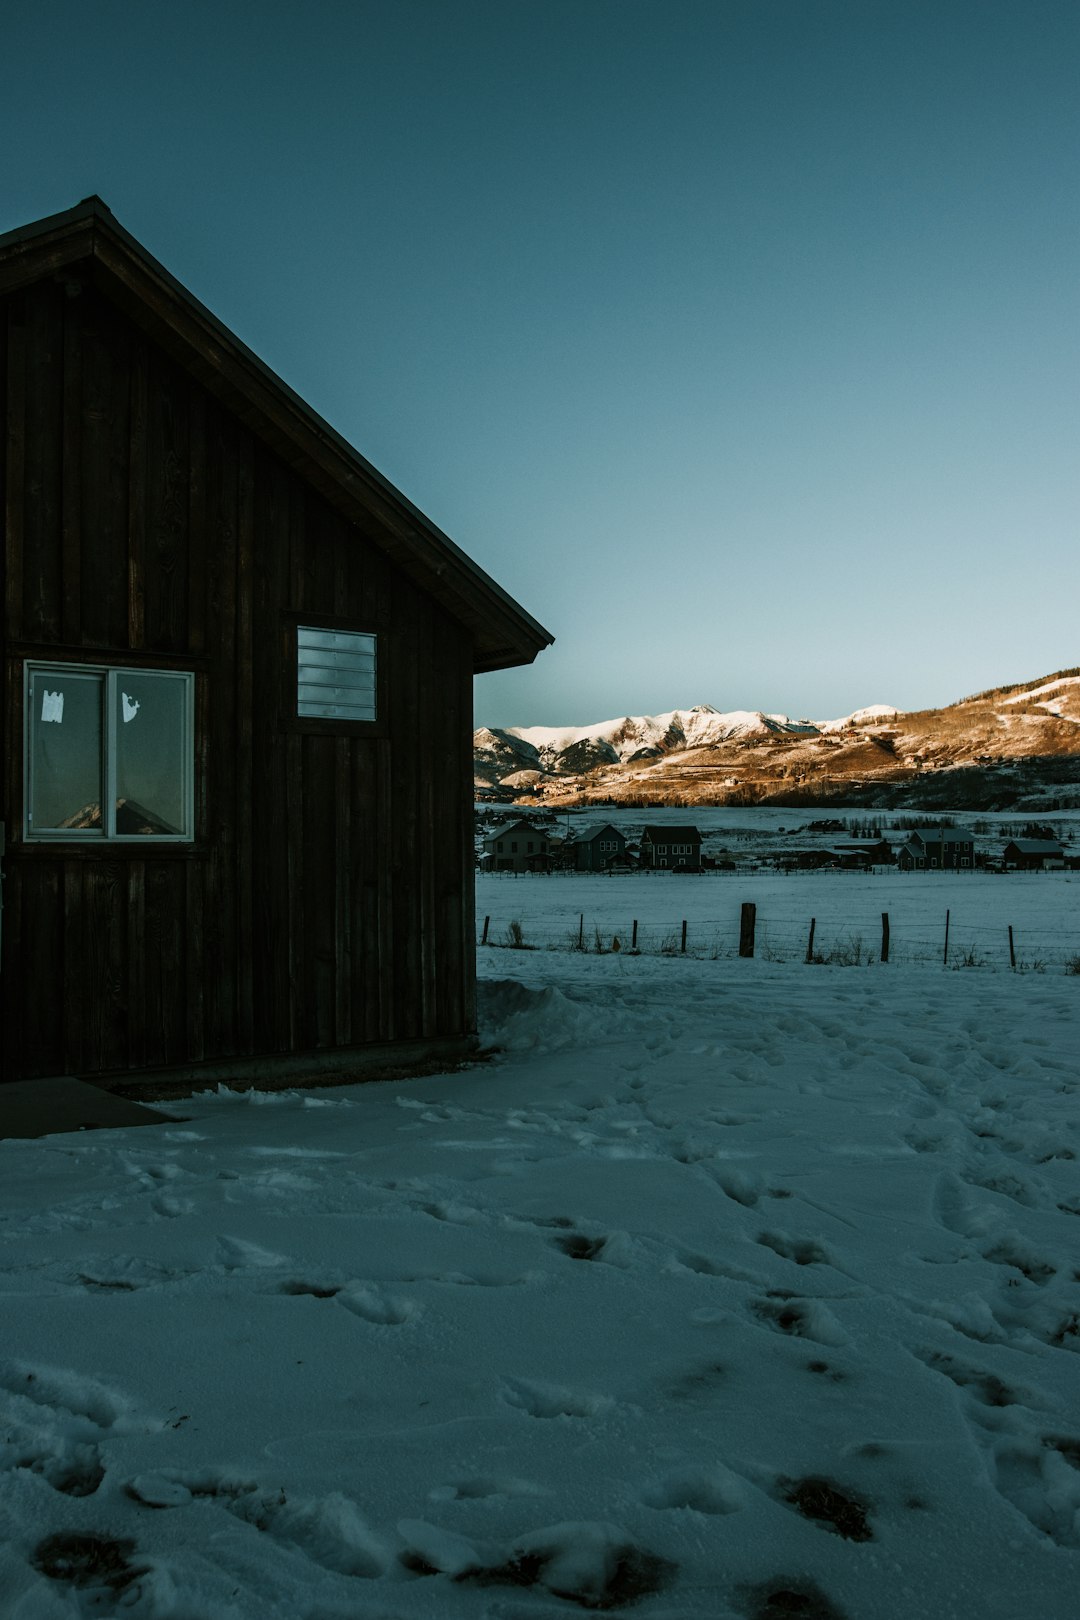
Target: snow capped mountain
745, 756
643, 734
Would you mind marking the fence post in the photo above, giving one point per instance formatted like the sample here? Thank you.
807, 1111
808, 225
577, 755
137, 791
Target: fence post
747, 924
945, 958
684, 936
581, 932
884, 936
810, 941
1012, 950
487, 925
633, 940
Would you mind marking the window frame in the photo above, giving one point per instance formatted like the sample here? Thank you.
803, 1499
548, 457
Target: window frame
107, 836
291, 718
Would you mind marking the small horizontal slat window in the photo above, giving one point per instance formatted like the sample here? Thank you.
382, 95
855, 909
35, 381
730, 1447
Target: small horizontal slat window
336, 675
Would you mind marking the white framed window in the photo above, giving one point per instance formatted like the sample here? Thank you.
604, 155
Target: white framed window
336, 676
110, 754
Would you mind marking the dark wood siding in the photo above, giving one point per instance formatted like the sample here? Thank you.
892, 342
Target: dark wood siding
327, 901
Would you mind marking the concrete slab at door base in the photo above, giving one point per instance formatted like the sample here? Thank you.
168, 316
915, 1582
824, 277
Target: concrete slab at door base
61, 1103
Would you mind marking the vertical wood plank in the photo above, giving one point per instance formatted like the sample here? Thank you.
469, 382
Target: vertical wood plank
15, 481
218, 727
34, 999
274, 852
72, 523
42, 616
196, 521
137, 453
138, 964
343, 892
191, 1015
244, 803
167, 509
74, 970
407, 853
104, 456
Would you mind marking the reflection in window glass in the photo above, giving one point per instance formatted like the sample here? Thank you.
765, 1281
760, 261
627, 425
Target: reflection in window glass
109, 753
148, 723
65, 750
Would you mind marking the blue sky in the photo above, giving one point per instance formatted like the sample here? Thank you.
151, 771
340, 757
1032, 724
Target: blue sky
738, 340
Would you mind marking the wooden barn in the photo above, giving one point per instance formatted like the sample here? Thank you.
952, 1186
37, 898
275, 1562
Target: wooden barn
236, 719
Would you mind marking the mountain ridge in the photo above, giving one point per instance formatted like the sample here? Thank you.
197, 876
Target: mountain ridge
1012, 741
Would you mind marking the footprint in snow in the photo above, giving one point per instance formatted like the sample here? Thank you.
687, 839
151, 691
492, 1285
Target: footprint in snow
596, 1566
800, 1318
834, 1507
236, 1254
576, 1246
697, 1386
53, 1424
1011, 1250
803, 1251
983, 1387
548, 1401
784, 1596
312, 1290
483, 1487
329, 1531
381, 1310
370, 1304
713, 1491
1041, 1481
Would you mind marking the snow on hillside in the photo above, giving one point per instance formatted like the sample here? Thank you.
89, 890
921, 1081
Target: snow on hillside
1064, 695
1041, 691
729, 1291
874, 714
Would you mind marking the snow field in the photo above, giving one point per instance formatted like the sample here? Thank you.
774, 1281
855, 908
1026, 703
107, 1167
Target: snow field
727, 1291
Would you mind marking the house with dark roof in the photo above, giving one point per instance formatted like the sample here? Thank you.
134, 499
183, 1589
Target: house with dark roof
517, 847
597, 849
1033, 855
941, 849
235, 727
671, 848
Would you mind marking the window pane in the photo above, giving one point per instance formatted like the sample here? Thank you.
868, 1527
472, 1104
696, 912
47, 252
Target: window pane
65, 751
335, 674
149, 725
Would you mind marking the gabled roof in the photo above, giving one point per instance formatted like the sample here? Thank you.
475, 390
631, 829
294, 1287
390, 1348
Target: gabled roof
1036, 846
87, 240
518, 828
933, 835
587, 834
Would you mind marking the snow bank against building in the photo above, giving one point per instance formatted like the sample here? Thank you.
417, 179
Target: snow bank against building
727, 1290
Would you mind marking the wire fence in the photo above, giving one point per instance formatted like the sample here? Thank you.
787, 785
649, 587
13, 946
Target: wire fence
948, 940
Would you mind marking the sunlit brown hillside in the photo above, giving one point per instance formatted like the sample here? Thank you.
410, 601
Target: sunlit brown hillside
1013, 746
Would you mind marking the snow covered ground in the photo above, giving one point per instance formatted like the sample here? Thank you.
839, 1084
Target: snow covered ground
731, 1290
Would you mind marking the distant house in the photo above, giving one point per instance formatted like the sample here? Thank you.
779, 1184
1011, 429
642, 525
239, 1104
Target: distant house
930, 849
806, 860
669, 848
1034, 855
878, 851
597, 849
519, 847
850, 858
